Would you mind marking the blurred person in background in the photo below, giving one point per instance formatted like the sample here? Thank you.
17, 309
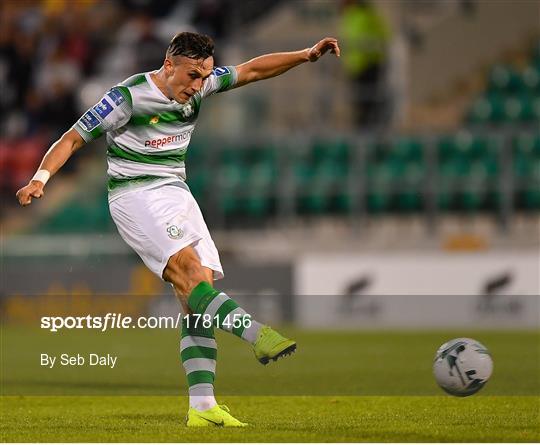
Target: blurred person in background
364, 35
56, 81
47, 50
210, 17
148, 120
148, 46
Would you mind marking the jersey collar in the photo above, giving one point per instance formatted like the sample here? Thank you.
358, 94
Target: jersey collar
155, 88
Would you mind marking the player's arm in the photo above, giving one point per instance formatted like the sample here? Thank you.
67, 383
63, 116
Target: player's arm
53, 160
271, 65
111, 112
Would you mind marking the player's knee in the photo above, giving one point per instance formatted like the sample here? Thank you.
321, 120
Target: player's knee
184, 270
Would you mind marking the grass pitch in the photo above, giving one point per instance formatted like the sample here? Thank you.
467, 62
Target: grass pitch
274, 419
339, 387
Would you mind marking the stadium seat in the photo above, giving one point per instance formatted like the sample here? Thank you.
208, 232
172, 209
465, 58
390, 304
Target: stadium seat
461, 145
487, 109
535, 55
229, 203
315, 200
231, 155
504, 79
407, 149
527, 144
80, 215
199, 182
380, 177
526, 167
536, 109
531, 79
410, 196
532, 199
303, 174
324, 150
262, 176
518, 108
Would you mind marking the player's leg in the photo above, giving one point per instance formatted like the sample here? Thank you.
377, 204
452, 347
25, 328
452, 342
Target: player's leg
154, 224
267, 343
185, 271
198, 352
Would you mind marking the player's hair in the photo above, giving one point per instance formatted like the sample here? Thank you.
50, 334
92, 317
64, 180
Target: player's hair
192, 45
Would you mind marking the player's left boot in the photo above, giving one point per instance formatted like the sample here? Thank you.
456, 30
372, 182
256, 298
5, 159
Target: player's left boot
216, 416
271, 345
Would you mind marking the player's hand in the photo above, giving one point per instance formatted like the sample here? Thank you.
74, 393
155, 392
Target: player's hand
34, 189
320, 48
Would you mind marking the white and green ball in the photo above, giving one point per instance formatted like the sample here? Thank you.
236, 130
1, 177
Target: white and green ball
462, 366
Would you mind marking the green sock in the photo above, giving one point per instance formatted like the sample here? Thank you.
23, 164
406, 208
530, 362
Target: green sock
198, 351
223, 311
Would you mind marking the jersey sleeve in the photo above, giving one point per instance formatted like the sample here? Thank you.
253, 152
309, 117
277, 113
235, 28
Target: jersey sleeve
223, 78
110, 113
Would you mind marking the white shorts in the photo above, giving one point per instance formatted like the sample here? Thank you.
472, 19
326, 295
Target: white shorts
159, 222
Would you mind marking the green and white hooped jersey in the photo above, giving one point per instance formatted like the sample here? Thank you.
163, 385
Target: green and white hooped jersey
147, 133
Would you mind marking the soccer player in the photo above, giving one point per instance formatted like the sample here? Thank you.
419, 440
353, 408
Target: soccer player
148, 120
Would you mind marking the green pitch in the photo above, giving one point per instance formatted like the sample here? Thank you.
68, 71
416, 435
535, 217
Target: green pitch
274, 419
340, 386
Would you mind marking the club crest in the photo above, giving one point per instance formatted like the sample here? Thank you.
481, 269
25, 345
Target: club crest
187, 110
175, 232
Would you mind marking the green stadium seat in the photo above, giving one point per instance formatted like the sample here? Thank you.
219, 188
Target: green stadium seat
257, 204
527, 144
380, 177
535, 54
233, 176
80, 217
331, 173
409, 201
315, 200
531, 78
342, 200
504, 79
199, 182
232, 155
470, 200
229, 203
488, 109
410, 198
532, 199
303, 174
518, 109
536, 108
324, 151
462, 145
262, 176
526, 168
197, 154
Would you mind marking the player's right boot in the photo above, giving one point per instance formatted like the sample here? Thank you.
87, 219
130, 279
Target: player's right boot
216, 416
270, 345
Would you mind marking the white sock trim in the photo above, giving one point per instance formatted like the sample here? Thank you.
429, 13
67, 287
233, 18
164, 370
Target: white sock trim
201, 396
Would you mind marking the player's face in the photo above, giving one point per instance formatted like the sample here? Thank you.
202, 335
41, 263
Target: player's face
186, 76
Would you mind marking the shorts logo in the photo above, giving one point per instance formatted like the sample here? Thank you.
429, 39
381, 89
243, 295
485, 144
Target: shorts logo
221, 70
154, 120
89, 121
103, 108
116, 96
175, 232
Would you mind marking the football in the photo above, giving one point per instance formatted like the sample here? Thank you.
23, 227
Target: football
462, 366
